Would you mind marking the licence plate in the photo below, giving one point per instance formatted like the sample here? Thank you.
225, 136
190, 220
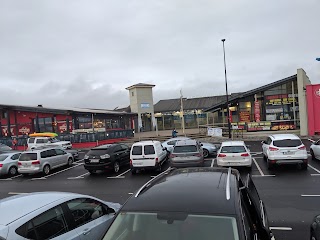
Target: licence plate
287, 153
94, 160
137, 164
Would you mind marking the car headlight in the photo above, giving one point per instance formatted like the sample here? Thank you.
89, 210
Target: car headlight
105, 156
86, 157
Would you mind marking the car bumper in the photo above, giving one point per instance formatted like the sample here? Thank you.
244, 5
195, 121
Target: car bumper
103, 166
288, 162
243, 163
145, 167
3, 170
29, 170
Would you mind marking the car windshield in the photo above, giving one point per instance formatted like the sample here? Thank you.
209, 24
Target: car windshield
31, 140
171, 226
233, 149
287, 143
53, 140
185, 149
28, 157
3, 157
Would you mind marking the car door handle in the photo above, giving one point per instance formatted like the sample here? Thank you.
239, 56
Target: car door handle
86, 231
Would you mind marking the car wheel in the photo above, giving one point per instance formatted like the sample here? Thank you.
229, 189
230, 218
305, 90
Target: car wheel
92, 171
13, 171
205, 153
270, 165
312, 155
46, 169
116, 167
304, 166
313, 237
264, 157
159, 168
70, 161
133, 171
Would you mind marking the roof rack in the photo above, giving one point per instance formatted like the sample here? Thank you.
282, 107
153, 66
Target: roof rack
228, 184
153, 179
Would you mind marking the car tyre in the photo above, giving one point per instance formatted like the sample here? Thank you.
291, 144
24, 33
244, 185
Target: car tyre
46, 169
92, 171
133, 171
270, 165
313, 157
12, 171
116, 167
304, 166
159, 168
205, 153
70, 162
313, 237
264, 157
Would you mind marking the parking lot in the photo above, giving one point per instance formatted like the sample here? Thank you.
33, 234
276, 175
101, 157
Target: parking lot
291, 195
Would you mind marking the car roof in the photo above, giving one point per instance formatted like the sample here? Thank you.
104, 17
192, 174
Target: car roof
145, 143
186, 142
15, 207
192, 190
233, 143
284, 136
9, 153
105, 146
177, 139
38, 150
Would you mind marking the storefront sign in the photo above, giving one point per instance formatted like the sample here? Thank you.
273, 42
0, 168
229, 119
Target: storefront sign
24, 130
238, 126
145, 105
257, 111
280, 99
6, 133
244, 116
258, 126
215, 132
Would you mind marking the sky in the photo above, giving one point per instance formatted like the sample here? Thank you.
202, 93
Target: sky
80, 53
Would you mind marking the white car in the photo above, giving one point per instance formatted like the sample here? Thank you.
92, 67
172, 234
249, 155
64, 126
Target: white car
35, 142
169, 144
282, 149
234, 153
315, 149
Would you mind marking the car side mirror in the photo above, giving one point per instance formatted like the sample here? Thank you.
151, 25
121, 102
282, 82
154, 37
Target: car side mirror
110, 210
201, 144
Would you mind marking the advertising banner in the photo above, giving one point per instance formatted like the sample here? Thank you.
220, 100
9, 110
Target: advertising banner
257, 111
215, 132
313, 102
244, 116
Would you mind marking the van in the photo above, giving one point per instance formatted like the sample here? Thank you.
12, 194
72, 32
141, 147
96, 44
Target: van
147, 155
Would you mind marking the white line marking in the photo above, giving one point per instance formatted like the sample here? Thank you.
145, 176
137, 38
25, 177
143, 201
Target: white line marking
78, 177
20, 175
260, 171
212, 163
130, 193
79, 164
306, 195
314, 168
315, 174
263, 175
124, 173
281, 228
116, 177
41, 178
6, 179
16, 193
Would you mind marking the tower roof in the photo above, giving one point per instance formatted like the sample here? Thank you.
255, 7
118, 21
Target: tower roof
141, 85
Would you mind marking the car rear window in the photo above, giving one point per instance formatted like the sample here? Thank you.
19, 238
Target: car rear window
184, 149
3, 157
233, 149
31, 140
149, 149
287, 143
98, 152
137, 150
28, 156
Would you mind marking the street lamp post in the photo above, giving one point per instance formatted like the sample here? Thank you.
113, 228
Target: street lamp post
226, 82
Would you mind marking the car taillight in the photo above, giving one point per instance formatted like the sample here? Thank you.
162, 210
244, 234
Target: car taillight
245, 155
35, 162
157, 159
130, 162
1, 164
302, 147
19, 163
222, 155
273, 149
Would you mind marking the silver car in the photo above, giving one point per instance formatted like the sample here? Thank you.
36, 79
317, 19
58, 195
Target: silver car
44, 160
209, 149
4, 148
9, 163
187, 153
55, 215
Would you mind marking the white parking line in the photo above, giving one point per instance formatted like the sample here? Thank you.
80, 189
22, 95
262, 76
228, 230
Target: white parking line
116, 177
212, 163
6, 179
309, 195
260, 171
20, 175
130, 193
78, 177
263, 175
318, 171
42, 178
16, 193
281, 228
124, 173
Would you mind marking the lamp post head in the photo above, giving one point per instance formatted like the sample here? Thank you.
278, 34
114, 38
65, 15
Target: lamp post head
318, 59
223, 40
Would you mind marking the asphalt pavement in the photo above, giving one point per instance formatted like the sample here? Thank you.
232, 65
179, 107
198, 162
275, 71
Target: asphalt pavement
291, 195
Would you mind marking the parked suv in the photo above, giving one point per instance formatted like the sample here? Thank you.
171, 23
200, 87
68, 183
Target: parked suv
109, 156
37, 161
187, 153
193, 203
281, 149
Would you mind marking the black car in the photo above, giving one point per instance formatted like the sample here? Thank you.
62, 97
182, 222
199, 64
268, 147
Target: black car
193, 203
315, 228
107, 157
